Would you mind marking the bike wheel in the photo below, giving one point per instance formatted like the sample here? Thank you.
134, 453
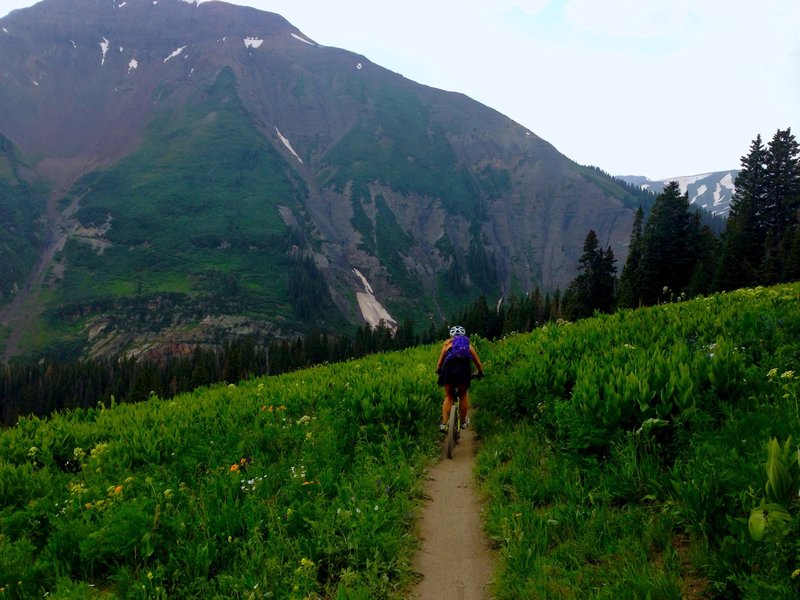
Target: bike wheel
451, 431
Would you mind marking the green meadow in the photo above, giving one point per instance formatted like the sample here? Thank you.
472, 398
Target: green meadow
647, 454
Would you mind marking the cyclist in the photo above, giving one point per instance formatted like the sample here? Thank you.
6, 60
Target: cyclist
455, 370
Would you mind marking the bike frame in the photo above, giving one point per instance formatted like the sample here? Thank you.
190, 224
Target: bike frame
454, 423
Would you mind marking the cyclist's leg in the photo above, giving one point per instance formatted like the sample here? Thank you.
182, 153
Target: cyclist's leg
449, 397
463, 406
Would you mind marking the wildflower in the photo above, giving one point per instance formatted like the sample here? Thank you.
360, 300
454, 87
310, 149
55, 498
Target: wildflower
150, 575
168, 494
787, 375
118, 489
76, 489
772, 373
234, 467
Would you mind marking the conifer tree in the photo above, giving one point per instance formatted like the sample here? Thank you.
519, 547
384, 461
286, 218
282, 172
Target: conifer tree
757, 244
630, 284
593, 288
669, 241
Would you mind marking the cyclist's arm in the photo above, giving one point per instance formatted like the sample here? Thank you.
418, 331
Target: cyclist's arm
475, 359
442, 354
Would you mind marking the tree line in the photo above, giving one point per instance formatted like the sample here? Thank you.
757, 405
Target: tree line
674, 254
49, 386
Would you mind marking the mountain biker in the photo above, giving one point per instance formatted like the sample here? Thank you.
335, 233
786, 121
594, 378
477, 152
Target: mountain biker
456, 372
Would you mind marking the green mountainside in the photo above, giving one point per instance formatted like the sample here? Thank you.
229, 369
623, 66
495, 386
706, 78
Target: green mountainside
21, 230
649, 453
219, 174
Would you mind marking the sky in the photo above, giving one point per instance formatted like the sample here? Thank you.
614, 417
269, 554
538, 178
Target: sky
660, 88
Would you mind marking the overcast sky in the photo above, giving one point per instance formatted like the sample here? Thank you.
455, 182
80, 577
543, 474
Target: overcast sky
659, 88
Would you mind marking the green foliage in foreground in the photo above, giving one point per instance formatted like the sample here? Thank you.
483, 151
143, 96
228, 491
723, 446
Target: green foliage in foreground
298, 486
648, 454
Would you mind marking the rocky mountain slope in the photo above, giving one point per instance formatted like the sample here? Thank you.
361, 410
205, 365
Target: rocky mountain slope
201, 171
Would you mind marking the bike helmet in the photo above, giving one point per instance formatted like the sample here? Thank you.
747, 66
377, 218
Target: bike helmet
457, 330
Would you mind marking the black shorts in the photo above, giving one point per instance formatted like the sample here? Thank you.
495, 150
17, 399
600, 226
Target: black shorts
457, 371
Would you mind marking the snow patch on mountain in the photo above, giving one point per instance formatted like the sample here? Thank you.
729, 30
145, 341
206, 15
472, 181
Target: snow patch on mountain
372, 310
302, 39
288, 145
104, 50
176, 53
251, 42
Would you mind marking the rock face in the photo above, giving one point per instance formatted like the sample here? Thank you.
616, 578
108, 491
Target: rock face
229, 159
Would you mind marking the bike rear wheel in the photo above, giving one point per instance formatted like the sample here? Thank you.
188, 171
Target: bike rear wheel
451, 430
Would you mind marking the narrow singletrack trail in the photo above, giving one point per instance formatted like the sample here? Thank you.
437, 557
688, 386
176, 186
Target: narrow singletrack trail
454, 561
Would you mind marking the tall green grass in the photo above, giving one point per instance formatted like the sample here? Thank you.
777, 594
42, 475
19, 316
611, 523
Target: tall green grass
304, 485
624, 454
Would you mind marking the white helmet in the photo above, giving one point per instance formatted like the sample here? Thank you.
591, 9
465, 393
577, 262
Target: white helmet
457, 330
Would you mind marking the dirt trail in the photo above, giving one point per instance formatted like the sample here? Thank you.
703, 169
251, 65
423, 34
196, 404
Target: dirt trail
455, 560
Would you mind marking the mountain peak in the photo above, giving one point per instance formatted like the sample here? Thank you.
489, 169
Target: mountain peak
209, 163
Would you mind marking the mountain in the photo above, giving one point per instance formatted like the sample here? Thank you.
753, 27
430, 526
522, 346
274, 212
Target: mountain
175, 174
710, 191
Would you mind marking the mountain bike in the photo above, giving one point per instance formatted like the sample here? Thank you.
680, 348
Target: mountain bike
454, 424
454, 420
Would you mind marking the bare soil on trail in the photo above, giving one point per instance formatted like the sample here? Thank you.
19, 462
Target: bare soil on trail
455, 560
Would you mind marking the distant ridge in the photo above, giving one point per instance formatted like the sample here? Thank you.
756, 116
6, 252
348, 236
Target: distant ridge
711, 191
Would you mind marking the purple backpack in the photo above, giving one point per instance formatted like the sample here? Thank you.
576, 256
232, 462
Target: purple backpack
460, 347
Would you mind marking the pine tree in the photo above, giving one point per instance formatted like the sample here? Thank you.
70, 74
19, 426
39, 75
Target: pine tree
668, 243
593, 288
757, 244
630, 285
